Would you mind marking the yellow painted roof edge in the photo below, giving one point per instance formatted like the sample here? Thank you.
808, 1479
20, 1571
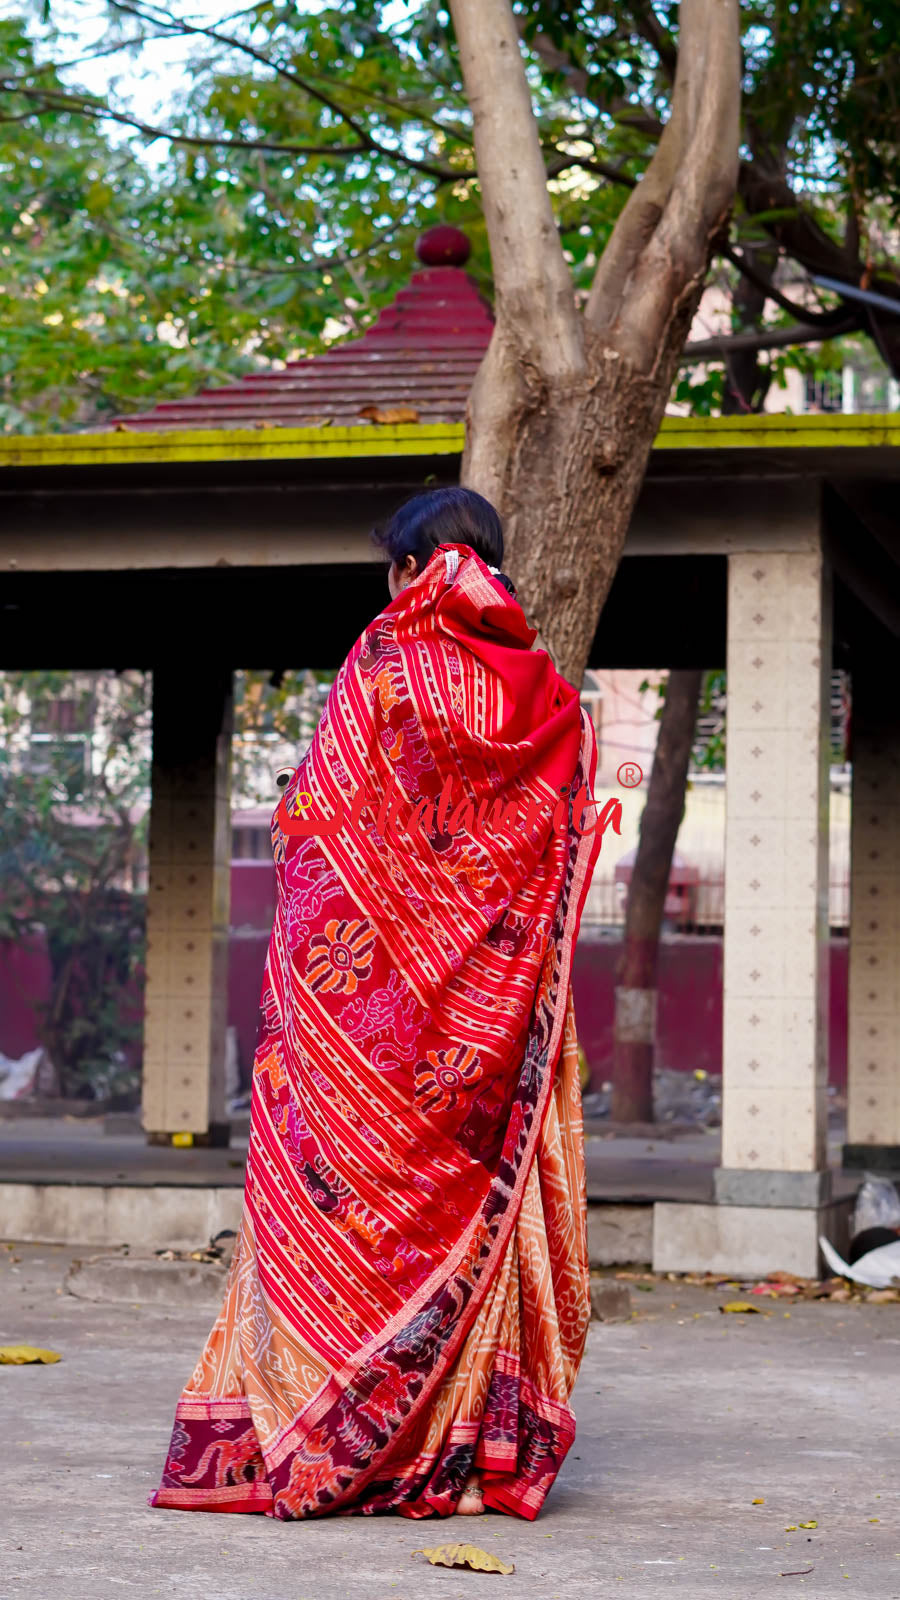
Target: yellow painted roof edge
124, 446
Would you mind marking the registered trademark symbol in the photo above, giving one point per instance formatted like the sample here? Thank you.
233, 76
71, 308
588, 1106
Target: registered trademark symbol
629, 775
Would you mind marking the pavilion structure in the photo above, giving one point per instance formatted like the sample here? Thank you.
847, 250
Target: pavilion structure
231, 529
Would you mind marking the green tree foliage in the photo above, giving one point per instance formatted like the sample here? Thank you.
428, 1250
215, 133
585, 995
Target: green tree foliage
273, 207
74, 797
74, 782
275, 717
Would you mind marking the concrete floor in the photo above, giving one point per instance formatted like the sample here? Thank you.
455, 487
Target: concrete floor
78, 1150
685, 1417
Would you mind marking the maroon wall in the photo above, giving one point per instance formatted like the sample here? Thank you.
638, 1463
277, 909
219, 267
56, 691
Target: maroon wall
24, 983
690, 988
252, 910
690, 1004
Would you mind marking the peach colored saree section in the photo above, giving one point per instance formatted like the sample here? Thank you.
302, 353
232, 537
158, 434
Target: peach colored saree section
505, 1397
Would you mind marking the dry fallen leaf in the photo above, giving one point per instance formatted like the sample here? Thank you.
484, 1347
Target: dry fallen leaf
757, 1502
389, 413
465, 1555
18, 1355
809, 1524
741, 1305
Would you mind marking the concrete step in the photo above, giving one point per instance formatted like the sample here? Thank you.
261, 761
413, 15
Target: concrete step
146, 1280
168, 1217
200, 1285
143, 1216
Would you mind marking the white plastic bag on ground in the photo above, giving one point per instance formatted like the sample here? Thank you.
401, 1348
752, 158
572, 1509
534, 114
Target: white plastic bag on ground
877, 1204
19, 1077
878, 1269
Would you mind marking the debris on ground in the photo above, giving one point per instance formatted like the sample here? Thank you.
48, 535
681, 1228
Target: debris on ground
878, 1269
776, 1286
877, 1205
20, 1355
465, 1555
873, 1258
687, 1101
692, 1098
22, 1077
220, 1248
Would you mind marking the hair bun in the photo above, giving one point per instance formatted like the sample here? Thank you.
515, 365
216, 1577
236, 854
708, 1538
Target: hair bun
507, 583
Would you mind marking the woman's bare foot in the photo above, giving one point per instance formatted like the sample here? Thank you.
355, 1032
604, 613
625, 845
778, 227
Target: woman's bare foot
471, 1501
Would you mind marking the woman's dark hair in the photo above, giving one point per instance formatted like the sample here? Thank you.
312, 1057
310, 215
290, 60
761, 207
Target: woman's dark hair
443, 516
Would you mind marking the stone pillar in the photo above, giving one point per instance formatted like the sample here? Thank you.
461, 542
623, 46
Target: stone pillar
873, 1087
188, 906
772, 1192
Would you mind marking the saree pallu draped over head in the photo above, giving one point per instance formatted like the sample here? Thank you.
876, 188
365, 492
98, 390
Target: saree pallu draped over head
408, 1298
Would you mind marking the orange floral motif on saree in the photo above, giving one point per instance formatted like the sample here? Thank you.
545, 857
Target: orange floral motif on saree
408, 1297
341, 956
445, 1075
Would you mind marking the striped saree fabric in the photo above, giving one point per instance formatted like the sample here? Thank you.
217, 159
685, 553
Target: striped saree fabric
408, 1297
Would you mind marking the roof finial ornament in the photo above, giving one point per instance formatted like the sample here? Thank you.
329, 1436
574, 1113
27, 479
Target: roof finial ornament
443, 246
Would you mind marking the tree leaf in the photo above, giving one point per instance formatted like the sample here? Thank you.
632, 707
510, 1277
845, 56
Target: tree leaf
741, 1306
19, 1355
465, 1555
389, 413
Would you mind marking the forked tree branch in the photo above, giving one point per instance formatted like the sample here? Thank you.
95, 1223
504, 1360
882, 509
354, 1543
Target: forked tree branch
821, 319
660, 244
533, 289
169, 25
716, 349
75, 105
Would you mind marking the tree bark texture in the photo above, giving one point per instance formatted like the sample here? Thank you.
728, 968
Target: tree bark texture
567, 403
636, 988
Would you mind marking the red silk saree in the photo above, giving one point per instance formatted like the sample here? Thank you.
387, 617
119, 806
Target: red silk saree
408, 1298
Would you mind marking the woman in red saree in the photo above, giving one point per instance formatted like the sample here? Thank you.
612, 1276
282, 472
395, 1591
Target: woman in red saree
407, 1304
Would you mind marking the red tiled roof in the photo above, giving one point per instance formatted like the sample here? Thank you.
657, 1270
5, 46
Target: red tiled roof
422, 353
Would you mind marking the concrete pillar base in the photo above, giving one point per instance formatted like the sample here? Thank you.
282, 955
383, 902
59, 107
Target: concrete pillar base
216, 1137
740, 1186
746, 1240
872, 1158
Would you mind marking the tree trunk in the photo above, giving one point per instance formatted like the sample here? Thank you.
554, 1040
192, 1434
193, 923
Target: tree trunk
566, 404
570, 460
635, 1017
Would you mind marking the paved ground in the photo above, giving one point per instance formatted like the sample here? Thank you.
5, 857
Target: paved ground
686, 1416
77, 1150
